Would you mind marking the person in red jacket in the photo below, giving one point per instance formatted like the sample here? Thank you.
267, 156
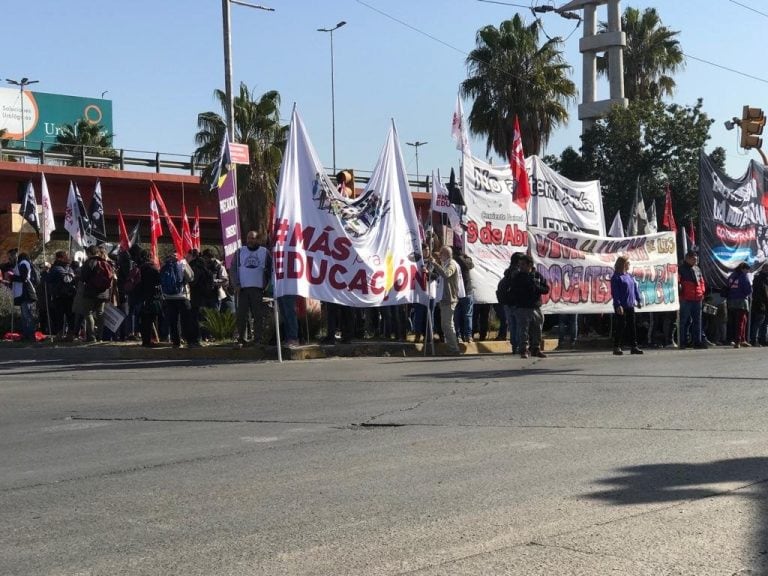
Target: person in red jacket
692, 289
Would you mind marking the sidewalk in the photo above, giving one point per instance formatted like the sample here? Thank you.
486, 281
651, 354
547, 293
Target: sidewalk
225, 351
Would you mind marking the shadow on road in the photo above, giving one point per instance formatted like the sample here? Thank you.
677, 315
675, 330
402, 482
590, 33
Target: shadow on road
680, 482
58, 365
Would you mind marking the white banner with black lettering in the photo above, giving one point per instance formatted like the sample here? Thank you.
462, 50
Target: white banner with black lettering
562, 204
496, 226
578, 268
362, 251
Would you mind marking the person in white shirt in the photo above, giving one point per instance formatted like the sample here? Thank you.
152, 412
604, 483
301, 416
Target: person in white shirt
251, 272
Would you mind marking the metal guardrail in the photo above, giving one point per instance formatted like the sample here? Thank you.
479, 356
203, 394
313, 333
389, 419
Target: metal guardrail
155, 160
152, 160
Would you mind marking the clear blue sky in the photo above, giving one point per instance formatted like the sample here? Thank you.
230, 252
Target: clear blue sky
161, 60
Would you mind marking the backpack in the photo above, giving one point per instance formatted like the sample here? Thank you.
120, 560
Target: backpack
100, 278
132, 280
505, 291
204, 280
171, 279
66, 287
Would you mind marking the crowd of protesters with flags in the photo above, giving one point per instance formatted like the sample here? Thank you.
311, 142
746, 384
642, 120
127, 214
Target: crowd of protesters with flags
325, 246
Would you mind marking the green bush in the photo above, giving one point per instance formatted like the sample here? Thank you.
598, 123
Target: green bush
220, 325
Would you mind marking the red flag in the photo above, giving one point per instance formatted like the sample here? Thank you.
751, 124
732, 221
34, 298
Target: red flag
517, 163
186, 234
125, 242
692, 233
175, 236
196, 230
155, 227
668, 220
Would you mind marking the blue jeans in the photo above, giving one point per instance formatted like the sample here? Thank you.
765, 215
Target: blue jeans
290, 322
758, 332
463, 317
27, 321
690, 313
514, 333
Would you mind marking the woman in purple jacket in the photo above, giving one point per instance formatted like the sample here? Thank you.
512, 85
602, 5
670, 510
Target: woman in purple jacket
626, 297
739, 290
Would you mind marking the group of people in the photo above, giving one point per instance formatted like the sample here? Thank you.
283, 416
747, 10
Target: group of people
166, 302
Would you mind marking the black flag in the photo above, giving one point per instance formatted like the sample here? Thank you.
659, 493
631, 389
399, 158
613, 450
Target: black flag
97, 229
454, 193
135, 238
28, 208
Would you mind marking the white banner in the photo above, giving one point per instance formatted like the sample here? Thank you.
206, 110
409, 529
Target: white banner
578, 268
362, 251
562, 204
496, 226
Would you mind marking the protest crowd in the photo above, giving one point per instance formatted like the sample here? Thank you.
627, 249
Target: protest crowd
67, 299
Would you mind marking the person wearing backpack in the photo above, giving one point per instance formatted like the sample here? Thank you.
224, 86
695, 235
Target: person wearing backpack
97, 277
175, 278
22, 283
251, 272
62, 286
202, 289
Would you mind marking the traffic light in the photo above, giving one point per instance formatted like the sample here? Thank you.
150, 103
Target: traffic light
752, 122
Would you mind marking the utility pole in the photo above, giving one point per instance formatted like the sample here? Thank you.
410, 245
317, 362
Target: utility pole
230, 119
416, 145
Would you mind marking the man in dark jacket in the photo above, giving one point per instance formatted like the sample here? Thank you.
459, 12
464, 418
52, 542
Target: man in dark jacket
758, 332
149, 298
97, 276
692, 289
528, 286
62, 287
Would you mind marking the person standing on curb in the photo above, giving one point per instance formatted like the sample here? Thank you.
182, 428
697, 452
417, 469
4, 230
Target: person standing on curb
739, 290
175, 277
626, 297
692, 289
447, 269
251, 271
527, 287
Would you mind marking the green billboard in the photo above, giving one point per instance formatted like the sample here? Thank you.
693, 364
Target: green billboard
38, 117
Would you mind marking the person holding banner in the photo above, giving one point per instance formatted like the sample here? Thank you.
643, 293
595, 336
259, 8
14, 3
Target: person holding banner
448, 297
626, 297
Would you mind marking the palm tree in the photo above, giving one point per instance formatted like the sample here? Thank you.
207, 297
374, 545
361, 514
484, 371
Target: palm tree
257, 124
84, 139
651, 53
509, 73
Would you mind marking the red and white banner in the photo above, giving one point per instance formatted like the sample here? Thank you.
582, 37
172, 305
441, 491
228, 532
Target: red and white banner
362, 251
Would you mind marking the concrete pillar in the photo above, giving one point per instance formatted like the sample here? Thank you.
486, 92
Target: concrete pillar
615, 53
589, 64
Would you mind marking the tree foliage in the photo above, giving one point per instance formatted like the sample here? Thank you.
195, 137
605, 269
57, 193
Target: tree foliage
257, 124
652, 52
510, 74
642, 148
84, 138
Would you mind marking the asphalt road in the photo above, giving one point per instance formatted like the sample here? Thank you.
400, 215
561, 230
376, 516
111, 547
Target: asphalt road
582, 463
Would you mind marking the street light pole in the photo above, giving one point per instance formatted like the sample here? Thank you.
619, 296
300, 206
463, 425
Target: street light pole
230, 119
333, 92
21, 83
416, 145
